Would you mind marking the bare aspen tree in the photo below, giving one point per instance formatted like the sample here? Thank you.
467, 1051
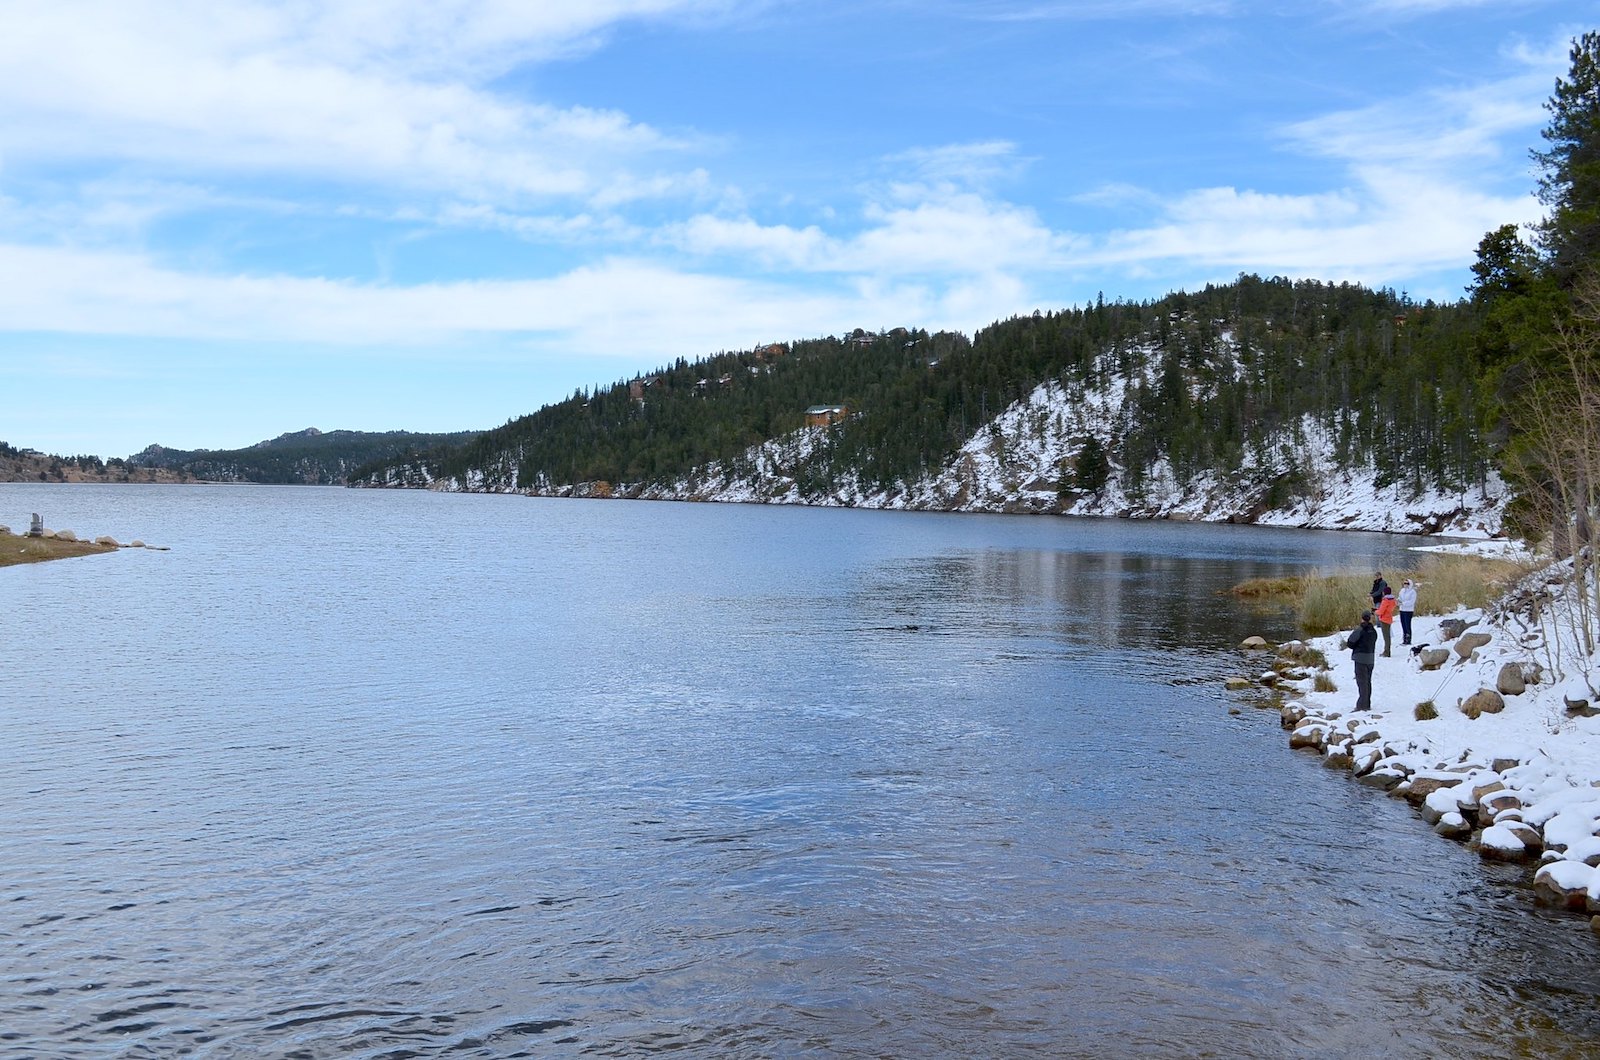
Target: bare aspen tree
1559, 460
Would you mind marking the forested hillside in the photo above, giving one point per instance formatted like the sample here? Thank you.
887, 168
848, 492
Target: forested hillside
1210, 377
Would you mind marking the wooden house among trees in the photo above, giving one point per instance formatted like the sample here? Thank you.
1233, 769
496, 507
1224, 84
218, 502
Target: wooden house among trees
823, 415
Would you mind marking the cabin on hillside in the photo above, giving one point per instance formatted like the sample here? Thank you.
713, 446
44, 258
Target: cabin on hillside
823, 415
637, 387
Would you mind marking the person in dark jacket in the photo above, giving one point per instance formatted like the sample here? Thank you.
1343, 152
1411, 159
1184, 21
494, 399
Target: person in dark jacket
1363, 645
1379, 588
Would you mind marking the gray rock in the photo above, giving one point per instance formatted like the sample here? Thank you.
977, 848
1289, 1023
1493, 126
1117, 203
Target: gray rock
1433, 658
1451, 628
1453, 826
1510, 681
1385, 779
1471, 642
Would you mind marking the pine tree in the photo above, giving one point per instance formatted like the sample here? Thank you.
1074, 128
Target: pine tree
1570, 180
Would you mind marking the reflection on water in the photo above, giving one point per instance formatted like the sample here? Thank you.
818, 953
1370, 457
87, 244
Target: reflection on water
403, 774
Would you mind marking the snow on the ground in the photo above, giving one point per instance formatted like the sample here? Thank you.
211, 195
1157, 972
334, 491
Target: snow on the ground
1491, 548
1015, 465
1528, 776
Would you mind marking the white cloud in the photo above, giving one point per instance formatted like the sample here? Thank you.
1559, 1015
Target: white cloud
396, 93
967, 165
910, 230
616, 305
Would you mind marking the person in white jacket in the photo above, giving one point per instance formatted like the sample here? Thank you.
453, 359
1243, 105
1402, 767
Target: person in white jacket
1408, 605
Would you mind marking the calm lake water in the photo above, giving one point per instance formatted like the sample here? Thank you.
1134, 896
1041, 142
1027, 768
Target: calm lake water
376, 774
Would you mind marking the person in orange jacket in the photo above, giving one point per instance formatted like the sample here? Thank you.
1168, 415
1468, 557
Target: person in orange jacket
1386, 610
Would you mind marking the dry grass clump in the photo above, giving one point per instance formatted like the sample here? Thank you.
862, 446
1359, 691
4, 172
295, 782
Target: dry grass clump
1330, 602
1323, 683
14, 549
1426, 711
1269, 588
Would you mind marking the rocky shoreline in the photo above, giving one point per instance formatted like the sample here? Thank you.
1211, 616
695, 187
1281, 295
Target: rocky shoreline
1489, 730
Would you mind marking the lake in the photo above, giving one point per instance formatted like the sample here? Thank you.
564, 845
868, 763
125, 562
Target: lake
400, 774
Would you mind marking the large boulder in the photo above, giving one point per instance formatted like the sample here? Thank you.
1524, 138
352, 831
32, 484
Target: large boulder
1510, 681
1422, 786
1440, 802
1564, 884
1311, 736
1254, 643
1500, 843
1453, 826
1433, 658
66, 535
1471, 642
1384, 779
1451, 628
1483, 701
1532, 841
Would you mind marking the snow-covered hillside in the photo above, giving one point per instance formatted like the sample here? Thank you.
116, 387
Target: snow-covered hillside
1016, 465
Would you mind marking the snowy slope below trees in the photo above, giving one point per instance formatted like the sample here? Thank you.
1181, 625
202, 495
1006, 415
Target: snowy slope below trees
1019, 461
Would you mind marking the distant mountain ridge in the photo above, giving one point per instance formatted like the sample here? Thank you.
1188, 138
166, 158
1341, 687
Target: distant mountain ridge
306, 457
30, 465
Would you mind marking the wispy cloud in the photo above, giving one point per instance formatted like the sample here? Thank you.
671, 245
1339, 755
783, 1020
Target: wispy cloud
398, 95
1087, 10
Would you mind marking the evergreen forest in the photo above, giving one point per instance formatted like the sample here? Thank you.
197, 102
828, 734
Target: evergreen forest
1429, 395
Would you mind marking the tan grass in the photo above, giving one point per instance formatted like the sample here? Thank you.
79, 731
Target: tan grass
15, 550
1328, 602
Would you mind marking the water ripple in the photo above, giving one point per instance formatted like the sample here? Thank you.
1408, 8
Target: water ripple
492, 777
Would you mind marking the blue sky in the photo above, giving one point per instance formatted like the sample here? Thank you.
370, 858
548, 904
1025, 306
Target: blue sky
223, 221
